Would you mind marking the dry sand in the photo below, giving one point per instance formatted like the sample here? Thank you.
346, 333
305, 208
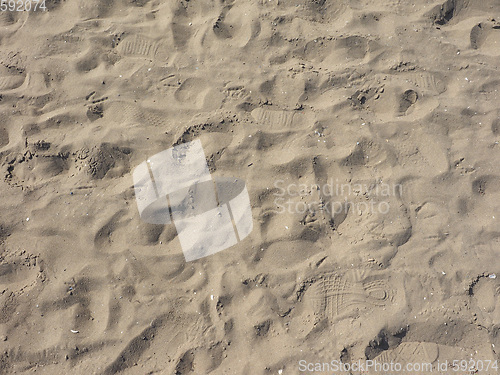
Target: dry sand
280, 93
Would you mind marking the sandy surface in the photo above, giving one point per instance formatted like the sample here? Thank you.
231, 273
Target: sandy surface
396, 101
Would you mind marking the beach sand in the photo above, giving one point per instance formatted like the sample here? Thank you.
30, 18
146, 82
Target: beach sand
392, 102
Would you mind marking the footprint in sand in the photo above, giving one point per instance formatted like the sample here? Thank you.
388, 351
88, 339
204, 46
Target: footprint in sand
9, 82
4, 137
422, 357
130, 112
485, 37
333, 295
237, 25
93, 9
273, 118
353, 47
198, 93
37, 164
285, 90
317, 10
11, 78
453, 11
104, 160
191, 90
390, 102
495, 127
138, 46
186, 334
28, 84
413, 353
430, 83
485, 295
486, 185
408, 98
20, 271
6, 19
10, 22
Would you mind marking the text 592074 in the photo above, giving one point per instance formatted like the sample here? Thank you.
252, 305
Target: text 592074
22, 6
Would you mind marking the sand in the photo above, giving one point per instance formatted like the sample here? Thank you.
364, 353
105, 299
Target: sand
393, 101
